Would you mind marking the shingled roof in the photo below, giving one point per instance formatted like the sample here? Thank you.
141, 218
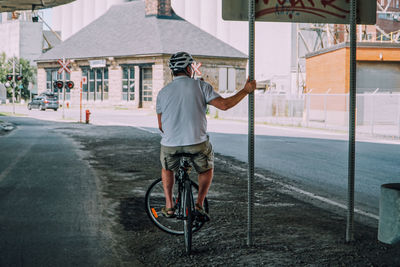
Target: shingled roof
125, 30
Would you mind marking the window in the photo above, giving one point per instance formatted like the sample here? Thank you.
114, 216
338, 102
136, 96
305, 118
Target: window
227, 80
52, 75
397, 3
147, 83
96, 88
128, 83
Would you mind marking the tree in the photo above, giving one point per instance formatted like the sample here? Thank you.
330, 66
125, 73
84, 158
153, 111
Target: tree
28, 74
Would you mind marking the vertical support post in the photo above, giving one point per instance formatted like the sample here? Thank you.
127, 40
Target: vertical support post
297, 61
13, 86
326, 106
250, 173
308, 108
372, 113
352, 122
80, 101
398, 114
20, 89
64, 89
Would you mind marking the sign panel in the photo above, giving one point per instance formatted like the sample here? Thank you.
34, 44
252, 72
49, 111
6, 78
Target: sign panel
84, 80
100, 63
304, 11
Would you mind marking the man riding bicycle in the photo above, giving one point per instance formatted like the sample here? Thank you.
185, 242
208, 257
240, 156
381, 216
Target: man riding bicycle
181, 112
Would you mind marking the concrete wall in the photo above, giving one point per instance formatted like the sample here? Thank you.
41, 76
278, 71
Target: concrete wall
21, 39
10, 38
31, 40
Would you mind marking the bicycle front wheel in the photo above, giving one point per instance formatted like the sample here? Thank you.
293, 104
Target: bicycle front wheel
155, 200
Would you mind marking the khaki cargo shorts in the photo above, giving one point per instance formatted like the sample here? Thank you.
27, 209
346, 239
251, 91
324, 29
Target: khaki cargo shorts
202, 159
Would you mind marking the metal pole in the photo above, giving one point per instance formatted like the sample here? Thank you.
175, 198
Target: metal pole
20, 88
63, 73
326, 106
13, 86
250, 173
80, 102
352, 122
398, 116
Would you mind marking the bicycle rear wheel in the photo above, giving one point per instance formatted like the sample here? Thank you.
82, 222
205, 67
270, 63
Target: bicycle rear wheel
155, 200
187, 223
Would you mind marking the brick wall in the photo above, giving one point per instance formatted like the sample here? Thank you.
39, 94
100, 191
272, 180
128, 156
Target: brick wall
158, 7
41, 80
76, 77
115, 85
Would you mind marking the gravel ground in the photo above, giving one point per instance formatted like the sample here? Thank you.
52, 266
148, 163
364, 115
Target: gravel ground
289, 229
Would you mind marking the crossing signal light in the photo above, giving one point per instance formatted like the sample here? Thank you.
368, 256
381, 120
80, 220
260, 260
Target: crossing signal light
9, 77
19, 77
69, 84
58, 84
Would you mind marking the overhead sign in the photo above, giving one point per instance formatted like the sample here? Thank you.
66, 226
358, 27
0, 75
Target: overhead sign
100, 63
64, 66
304, 11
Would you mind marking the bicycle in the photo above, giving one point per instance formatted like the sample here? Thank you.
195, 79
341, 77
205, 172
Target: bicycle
184, 193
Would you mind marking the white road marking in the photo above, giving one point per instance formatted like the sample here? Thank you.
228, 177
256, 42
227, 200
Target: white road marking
309, 194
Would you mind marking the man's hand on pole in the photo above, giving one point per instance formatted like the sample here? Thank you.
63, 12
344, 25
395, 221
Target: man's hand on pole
250, 86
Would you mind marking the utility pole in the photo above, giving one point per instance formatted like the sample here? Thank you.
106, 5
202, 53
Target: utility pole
64, 89
13, 86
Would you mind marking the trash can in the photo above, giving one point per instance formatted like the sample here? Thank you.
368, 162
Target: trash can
389, 214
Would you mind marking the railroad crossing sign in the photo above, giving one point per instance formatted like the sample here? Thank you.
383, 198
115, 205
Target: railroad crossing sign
196, 68
304, 11
64, 66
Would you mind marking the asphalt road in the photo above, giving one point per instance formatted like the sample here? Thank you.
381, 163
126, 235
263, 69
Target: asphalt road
315, 160
48, 200
320, 165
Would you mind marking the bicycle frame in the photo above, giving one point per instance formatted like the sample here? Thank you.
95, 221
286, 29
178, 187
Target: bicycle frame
181, 177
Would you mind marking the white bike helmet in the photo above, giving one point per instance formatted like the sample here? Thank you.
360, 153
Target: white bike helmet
179, 61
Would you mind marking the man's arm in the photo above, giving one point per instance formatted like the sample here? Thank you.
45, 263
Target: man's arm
159, 122
229, 102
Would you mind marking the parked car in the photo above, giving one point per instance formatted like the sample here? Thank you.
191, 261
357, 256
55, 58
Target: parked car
44, 101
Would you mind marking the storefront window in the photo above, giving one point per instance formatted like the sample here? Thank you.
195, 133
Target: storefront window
147, 81
128, 83
96, 88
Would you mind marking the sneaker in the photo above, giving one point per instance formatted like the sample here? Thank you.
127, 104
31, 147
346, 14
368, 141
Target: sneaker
167, 212
202, 215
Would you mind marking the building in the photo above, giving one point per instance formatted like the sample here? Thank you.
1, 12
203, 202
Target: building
275, 42
328, 81
124, 55
19, 36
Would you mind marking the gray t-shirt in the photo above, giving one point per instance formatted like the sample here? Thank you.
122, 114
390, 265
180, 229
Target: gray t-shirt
183, 104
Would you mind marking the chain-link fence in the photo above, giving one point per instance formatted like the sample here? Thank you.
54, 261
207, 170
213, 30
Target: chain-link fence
377, 113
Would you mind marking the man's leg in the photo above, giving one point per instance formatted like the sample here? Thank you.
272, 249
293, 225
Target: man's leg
205, 179
167, 177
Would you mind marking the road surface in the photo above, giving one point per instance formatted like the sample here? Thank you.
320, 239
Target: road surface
48, 200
